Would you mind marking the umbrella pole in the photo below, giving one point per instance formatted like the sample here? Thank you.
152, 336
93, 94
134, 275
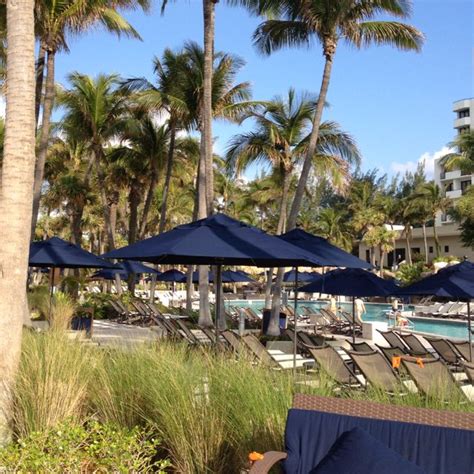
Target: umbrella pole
353, 321
295, 310
469, 328
218, 300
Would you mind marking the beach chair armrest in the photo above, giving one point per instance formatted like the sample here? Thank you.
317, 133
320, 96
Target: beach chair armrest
270, 458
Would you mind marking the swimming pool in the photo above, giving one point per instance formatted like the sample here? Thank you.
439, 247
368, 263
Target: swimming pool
375, 312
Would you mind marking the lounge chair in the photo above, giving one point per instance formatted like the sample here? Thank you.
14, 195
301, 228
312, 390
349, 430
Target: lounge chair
445, 350
360, 346
379, 373
438, 441
274, 359
329, 360
394, 340
462, 347
434, 379
414, 344
468, 370
232, 340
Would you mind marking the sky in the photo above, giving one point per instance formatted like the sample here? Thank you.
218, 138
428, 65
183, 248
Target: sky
397, 105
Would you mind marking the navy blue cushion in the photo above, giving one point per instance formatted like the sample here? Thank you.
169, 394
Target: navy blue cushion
309, 436
356, 452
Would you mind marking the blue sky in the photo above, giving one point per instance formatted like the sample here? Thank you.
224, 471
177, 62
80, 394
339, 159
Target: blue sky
396, 104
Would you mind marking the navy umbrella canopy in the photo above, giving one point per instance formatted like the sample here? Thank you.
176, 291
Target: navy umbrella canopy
216, 240
351, 282
124, 269
290, 276
228, 276
327, 255
58, 253
172, 276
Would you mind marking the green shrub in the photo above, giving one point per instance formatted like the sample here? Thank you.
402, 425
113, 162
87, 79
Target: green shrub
92, 447
408, 274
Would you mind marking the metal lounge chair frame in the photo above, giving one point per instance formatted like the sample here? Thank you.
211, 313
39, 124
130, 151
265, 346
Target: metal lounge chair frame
445, 350
394, 340
414, 344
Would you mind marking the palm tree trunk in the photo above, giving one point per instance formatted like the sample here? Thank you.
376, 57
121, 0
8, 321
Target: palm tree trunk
169, 169
44, 138
425, 241
382, 258
330, 49
274, 325
134, 202
189, 289
372, 257
39, 79
205, 319
16, 195
209, 27
407, 240
76, 222
268, 289
436, 239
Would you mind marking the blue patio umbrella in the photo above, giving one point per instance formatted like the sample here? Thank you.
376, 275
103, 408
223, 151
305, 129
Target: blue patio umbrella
456, 281
124, 269
217, 240
290, 276
57, 253
172, 276
351, 282
327, 254
228, 276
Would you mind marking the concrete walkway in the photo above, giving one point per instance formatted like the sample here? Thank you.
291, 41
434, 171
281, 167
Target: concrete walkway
112, 333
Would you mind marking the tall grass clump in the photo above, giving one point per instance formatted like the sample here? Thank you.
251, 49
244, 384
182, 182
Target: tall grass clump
62, 311
52, 382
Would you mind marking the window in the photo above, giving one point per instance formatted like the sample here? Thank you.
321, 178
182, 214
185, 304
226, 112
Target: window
463, 130
431, 249
463, 113
367, 255
449, 187
464, 185
446, 249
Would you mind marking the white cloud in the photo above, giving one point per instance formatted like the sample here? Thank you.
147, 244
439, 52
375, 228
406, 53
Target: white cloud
427, 158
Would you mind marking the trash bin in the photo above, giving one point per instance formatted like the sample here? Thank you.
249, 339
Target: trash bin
266, 320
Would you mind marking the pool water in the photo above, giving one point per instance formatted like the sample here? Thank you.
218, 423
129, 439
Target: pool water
375, 312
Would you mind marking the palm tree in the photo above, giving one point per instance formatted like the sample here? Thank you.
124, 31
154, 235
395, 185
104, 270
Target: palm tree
332, 224
16, 195
300, 22
281, 139
435, 202
464, 158
97, 109
54, 22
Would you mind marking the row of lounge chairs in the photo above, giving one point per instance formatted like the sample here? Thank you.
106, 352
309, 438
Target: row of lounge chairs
428, 375
451, 310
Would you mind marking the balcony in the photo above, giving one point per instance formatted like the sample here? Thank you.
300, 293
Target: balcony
451, 174
457, 193
462, 122
462, 104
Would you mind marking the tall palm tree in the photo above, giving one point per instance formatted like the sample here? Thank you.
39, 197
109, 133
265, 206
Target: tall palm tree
301, 22
435, 203
98, 109
16, 195
54, 22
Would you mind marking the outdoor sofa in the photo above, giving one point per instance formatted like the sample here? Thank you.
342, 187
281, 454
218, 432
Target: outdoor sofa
431, 441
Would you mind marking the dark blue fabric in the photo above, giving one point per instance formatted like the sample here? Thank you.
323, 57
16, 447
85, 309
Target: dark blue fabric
217, 240
58, 253
310, 434
456, 281
172, 275
357, 452
290, 276
351, 282
228, 276
327, 254
124, 269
